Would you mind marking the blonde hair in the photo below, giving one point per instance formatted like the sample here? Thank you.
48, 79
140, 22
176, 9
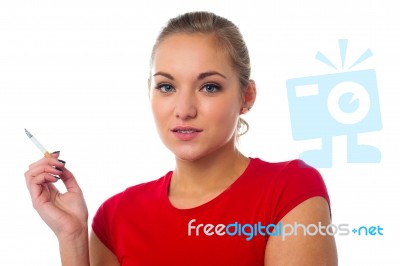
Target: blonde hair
227, 36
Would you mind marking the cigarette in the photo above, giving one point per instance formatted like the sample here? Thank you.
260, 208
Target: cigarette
37, 144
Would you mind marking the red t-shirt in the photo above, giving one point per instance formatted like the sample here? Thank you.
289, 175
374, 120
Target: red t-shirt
142, 227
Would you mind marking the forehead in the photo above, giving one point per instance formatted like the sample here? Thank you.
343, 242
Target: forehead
191, 52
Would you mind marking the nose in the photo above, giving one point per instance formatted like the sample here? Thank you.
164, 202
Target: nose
185, 106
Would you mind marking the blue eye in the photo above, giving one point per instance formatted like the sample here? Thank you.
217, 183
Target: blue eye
166, 88
211, 88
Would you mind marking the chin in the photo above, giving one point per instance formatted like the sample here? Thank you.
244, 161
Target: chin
188, 156
193, 153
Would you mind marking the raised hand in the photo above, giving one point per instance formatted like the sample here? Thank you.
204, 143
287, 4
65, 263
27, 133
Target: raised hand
65, 213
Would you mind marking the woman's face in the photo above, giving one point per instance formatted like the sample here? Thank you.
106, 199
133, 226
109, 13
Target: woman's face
195, 95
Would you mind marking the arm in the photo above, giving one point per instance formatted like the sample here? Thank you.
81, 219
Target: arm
74, 251
100, 255
300, 249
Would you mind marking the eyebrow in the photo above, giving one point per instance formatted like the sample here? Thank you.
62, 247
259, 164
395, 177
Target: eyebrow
168, 76
209, 73
199, 77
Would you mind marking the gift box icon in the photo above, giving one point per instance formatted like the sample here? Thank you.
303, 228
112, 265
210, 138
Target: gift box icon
344, 103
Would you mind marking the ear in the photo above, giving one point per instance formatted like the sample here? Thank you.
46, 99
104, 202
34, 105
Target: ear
249, 95
148, 87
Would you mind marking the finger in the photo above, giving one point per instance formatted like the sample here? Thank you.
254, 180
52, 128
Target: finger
40, 178
44, 169
52, 189
41, 174
36, 184
55, 154
69, 181
48, 161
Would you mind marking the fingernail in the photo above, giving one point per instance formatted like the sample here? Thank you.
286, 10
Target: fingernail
56, 177
61, 161
55, 152
59, 169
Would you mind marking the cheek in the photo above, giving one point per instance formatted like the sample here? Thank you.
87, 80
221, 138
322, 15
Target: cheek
158, 110
224, 112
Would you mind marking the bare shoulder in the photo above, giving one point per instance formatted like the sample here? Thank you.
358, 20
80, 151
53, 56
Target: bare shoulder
300, 249
100, 255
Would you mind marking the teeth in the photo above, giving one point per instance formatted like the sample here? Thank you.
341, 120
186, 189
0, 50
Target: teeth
186, 131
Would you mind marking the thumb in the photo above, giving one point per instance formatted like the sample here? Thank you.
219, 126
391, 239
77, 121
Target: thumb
69, 181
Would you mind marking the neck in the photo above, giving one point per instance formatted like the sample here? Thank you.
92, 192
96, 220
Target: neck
209, 175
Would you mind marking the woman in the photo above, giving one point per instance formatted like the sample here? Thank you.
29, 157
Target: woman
215, 207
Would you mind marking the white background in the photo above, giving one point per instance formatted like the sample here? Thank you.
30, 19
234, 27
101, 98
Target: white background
74, 73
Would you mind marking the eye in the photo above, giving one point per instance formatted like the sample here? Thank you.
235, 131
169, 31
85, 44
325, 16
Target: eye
165, 88
211, 88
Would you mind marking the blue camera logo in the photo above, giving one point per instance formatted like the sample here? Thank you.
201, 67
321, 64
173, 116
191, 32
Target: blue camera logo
344, 103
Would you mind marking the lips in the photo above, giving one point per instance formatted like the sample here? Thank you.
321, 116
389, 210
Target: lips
185, 132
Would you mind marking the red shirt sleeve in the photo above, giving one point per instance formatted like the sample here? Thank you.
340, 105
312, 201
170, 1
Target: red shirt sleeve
296, 183
102, 224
